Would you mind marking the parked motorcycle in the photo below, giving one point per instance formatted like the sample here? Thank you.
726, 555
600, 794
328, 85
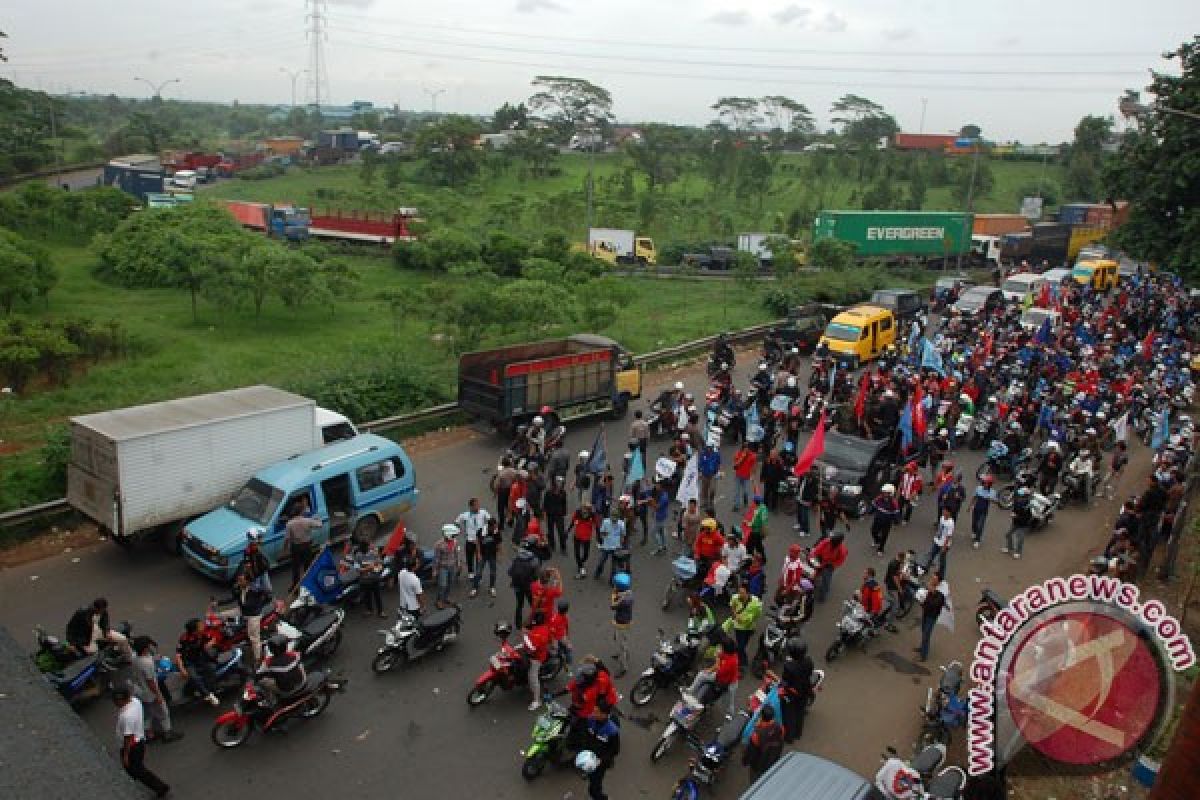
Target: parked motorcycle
983, 430
684, 577
989, 606
412, 637
945, 708
549, 744
670, 665
685, 716
998, 463
230, 672
900, 779
254, 710
1078, 482
854, 629
910, 576
79, 679
508, 668
1024, 479
963, 428
772, 643
317, 638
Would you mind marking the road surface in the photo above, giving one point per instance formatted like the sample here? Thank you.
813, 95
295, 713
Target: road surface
411, 732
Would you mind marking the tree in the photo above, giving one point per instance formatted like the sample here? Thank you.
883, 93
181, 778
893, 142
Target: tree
965, 189
861, 120
739, 113
370, 163
571, 104
917, 187
1082, 178
448, 148
510, 118
832, 254
504, 252
17, 272
1157, 169
657, 155
535, 149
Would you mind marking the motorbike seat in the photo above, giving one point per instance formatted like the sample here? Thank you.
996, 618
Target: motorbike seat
312, 681
731, 732
927, 760
436, 620
318, 625
73, 670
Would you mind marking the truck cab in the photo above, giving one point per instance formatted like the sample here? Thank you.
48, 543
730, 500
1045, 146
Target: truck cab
985, 250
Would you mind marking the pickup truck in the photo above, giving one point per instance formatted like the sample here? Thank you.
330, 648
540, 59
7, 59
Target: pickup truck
715, 257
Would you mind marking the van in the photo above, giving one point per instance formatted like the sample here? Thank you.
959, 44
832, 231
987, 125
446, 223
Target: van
1056, 276
859, 334
905, 304
1022, 288
356, 486
1032, 320
1101, 274
803, 776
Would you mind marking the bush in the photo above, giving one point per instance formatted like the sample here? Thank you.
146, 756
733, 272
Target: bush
37, 211
375, 387
832, 254
261, 172
504, 252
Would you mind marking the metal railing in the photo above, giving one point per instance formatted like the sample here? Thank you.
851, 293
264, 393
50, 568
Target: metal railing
21, 516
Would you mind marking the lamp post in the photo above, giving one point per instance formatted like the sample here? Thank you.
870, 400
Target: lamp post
968, 141
157, 88
293, 74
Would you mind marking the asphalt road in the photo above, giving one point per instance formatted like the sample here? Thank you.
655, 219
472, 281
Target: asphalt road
412, 732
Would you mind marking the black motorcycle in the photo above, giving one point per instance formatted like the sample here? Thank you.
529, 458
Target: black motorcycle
670, 665
412, 637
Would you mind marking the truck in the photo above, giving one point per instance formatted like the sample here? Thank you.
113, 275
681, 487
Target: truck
363, 226
578, 376
929, 237
756, 245
617, 246
233, 163
998, 224
987, 250
151, 468
1045, 241
280, 222
586, 141
138, 175
204, 164
712, 257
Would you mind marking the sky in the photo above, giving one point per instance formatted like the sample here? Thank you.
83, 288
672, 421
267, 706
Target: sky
1022, 70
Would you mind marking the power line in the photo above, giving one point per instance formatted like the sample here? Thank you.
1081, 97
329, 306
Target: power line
1039, 89
318, 78
1091, 53
750, 65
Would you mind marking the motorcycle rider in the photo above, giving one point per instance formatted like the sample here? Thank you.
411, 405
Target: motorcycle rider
708, 545
283, 670
89, 626
1081, 469
830, 553
255, 564
722, 676
252, 602
795, 688
603, 745
560, 630
1049, 468
536, 641
884, 513
723, 352
195, 661
536, 436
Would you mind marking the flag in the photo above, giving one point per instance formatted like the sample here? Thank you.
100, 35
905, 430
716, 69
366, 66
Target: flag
912, 337
1148, 345
860, 401
918, 413
689, 485
1044, 297
323, 580
946, 617
1162, 431
597, 462
1043, 334
906, 427
1120, 427
754, 428
931, 358
813, 450
636, 468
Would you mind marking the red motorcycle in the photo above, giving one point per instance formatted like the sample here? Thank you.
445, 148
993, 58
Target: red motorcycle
226, 628
253, 710
509, 668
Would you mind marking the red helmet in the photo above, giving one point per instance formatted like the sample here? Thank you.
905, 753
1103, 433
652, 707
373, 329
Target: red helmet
988, 480
794, 550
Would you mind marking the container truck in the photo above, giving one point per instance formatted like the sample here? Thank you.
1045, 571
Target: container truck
363, 226
617, 246
153, 467
998, 224
138, 175
280, 222
577, 376
932, 237
1050, 242
233, 163
1082, 236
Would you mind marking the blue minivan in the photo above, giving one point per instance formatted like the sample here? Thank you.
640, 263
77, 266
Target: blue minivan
355, 486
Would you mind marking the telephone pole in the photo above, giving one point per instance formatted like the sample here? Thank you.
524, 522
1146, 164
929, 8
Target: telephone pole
318, 77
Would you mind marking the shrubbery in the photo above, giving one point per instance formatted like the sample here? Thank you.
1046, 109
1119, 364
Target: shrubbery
38, 211
55, 349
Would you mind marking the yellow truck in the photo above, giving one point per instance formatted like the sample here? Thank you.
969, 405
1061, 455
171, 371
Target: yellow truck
1101, 274
617, 246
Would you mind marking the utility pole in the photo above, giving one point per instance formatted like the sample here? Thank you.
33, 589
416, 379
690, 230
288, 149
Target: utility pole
293, 74
433, 96
318, 79
924, 103
156, 88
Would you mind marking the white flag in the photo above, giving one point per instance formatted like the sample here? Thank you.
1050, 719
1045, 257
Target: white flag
1120, 427
689, 487
947, 616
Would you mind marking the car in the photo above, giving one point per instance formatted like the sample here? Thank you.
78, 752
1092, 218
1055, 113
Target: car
857, 467
803, 328
905, 304
797, 776
979, 300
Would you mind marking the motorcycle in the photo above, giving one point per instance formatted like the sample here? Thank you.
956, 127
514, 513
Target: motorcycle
910, 576
230, 672
945, 708
507, 670
997, 462
963, 428
412, 637
316, 638
549, 744
253, 710
1042, 508
671, 664
685, 716
79, 678
771, 645
684, 577
988, 607
1081, 485
855, 628
946, 785
1024, 479
982, 431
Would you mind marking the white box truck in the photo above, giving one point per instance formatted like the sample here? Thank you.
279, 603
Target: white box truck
756, 245
153, 467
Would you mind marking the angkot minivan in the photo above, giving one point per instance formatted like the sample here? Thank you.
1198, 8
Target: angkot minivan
355, 486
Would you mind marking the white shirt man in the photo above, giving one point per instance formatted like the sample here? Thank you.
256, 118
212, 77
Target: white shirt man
734, 554
131, 721
472, 522
411, 593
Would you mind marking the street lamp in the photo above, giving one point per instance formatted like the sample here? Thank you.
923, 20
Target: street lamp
157, 87
1131, 106
293, 74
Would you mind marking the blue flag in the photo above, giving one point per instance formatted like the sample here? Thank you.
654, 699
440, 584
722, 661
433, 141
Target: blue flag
598, 461
636, 468
931, 358
906, 426
912, 337
1162, 431
1043, 334
322, 578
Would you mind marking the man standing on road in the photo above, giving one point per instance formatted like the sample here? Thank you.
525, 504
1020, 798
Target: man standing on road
131, 732
583, 527
639, 431
489, 554
744, 612
709, 465
830, 553
744, 461
612, 539
447, 561
522, 572
473, 523
981, 501
932, 604
621, 603
943, 537
604, 743
661, 500
298, 538
409, 586
147, 690
795, 688
885, 511
554, 503
502, 483
252, 603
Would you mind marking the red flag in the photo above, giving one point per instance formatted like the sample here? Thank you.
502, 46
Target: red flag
987, 345
1148, 345
918, 414
860, 402
812, 451
1044, 297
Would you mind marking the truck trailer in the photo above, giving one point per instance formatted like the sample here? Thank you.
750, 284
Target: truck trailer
578, 376
153, 467
279, 222
930, 237
138, 175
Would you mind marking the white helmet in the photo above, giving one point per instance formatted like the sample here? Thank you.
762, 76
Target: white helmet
583, 454
679, 386
450, 530
587, 762
762, 366
964, 398
943, 432
724, 366
792, 382
1052, 445
538, 422
888, 489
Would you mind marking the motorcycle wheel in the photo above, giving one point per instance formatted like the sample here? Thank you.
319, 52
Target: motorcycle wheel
330, 647
661, 747
1005, 497
230, 734
834, 651
315, 705
643, 691
480, 694
386, 661
533, 766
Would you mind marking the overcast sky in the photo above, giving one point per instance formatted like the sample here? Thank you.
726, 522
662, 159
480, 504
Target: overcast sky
1021, 69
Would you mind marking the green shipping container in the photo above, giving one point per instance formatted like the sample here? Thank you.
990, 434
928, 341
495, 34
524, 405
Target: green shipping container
897, 233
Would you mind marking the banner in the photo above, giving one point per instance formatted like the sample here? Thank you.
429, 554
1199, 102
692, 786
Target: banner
931, 358
636, 469
812, 450
323, 579
1162, 430
689, 486
598, 461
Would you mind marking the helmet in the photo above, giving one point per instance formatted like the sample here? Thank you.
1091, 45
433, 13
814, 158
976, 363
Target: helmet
502, 630
724, 366
538, 422
583, 454
679, 386
791, 381
587, 762
1024, 491
277, 645
563, 605
586, 673
709, 524
1052, 445
254, 536
837, 539
797, 647
622, 581
964, 398
521, 503
943, 432
989, 479
888, 489
449, 530
1089, 432
762, 365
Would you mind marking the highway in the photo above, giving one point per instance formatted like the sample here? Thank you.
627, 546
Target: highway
410, 733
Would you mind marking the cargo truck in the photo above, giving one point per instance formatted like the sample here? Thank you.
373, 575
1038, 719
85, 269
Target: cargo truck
138, 175
279, 222
153, 467
363, 226
999, 224
617, 246
578, 376
930, 237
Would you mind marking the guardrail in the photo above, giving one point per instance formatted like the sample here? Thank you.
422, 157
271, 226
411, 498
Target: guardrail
21, 516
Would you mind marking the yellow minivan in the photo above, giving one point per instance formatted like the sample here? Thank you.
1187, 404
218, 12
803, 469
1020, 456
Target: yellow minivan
1101, 274
859, 334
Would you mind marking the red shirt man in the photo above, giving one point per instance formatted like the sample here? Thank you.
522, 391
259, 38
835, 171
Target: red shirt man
744, 461
829, 553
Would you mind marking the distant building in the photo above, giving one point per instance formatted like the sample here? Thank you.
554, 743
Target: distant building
933, 142
336, 113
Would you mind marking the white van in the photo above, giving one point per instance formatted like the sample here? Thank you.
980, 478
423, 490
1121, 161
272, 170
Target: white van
184, 179
1023, 285
1056, 276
